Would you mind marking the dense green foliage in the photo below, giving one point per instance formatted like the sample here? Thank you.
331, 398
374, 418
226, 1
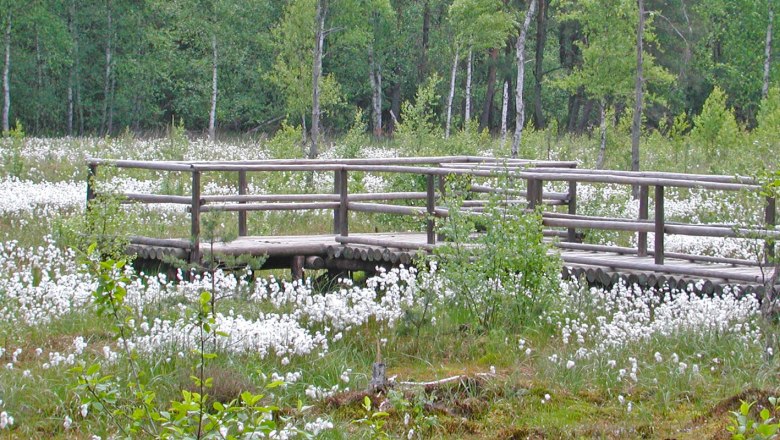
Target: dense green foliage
100, 67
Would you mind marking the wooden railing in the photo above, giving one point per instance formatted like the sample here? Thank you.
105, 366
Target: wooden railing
435, 169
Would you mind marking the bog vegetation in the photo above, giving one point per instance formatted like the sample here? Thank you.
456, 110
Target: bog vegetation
91, 347
94, 348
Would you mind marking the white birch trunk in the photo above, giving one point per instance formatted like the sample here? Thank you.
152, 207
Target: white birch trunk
504, 112
451, 96
107, 77
214, 90
467, 116
603, 125
519, 104
375, 78
7, 76
316, 74
768, 52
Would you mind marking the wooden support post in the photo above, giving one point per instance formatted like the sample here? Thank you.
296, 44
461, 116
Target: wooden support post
296, 267
534, 193
242, 190
659, 224
336, 190
343, 211
195, 219
571, 234
430, 204
442, 197
91, 176
770, 220
643, 215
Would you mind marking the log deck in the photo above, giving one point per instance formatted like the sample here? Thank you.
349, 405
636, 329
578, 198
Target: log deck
345, 251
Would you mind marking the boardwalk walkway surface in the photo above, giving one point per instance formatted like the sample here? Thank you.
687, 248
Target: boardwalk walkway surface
342, 250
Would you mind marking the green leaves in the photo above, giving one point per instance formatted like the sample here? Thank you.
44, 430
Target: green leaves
744, 427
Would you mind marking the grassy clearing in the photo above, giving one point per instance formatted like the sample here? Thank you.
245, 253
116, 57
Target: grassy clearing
591, 364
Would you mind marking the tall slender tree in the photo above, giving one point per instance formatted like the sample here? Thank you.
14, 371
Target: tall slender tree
519, 103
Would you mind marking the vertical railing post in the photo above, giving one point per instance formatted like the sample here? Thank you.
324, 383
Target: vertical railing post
643, 215
337, 191
195, 219
242, 191
659, 224
770, 220
442, 197
430, 205
91, 176
571, 234
534, 193
343, 217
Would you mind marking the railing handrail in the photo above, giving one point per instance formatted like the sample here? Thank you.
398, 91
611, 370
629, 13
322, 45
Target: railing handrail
534, 172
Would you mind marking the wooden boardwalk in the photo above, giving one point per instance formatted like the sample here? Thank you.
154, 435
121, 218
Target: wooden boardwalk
603, 267
649, 265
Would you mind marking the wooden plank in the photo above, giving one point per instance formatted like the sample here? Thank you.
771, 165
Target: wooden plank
659, 225
242, 191
195, 219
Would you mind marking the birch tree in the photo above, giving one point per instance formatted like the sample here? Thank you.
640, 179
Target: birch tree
519, 104
478, 25
768, 50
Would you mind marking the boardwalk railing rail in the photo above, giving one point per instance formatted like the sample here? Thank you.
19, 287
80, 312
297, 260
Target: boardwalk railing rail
435, 169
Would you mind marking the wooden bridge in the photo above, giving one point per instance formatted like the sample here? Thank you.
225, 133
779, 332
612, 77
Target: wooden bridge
343, 250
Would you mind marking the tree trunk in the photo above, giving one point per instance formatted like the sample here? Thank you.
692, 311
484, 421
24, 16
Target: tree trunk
395, 102
7, 75
636, 125
39, 80
490, 92
603, 125
541, 40
214, 90
768, 51
316, 74
519, 105
422, 67
469, 64
451, 95
107, 76
110, 125
375, 78
504, 112
72, 70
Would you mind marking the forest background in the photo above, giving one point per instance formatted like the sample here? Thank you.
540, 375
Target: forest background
101, 67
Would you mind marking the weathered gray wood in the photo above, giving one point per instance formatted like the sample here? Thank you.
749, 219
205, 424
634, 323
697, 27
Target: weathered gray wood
399, 244
314, 262
163, 242
430, 205
343, 208
296, 267
269, 207
387, 209
653, 174
643, 215
195, 219
659, 225
242, 190
571, 201
627, 225
702, 272
157, 198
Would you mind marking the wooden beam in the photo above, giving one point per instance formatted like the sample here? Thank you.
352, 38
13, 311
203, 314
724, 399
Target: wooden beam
195, 219
430, 205
571, 235
242, 190
343, 203
659, 225
643, 215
